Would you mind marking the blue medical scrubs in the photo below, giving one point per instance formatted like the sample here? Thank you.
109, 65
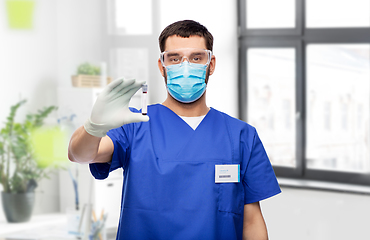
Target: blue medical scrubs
169, 189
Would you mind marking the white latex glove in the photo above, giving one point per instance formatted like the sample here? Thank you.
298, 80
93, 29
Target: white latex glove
111, 108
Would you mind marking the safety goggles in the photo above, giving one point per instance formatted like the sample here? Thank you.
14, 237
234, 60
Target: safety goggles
192, 55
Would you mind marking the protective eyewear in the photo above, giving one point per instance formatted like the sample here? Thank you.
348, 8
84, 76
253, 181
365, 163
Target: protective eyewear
192, 55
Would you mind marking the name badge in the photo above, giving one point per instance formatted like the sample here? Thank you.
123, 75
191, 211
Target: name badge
227, 173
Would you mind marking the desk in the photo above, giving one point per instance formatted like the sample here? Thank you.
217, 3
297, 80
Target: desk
42, 227
45, 227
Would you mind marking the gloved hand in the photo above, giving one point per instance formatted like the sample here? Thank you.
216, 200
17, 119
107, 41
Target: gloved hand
111, 108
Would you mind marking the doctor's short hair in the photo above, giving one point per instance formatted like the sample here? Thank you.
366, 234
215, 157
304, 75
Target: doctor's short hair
185, 29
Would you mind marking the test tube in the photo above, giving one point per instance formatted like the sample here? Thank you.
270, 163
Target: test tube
144, 103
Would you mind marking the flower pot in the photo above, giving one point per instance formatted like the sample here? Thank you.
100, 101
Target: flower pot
20, 13
89, 81
18, 206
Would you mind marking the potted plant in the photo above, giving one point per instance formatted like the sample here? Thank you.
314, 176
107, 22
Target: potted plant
19, 171
89, 75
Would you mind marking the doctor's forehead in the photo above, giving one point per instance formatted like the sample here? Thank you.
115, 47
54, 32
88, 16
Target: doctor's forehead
176, 42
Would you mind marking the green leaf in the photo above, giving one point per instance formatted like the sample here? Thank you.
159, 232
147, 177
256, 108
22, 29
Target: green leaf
16, 149
88, 69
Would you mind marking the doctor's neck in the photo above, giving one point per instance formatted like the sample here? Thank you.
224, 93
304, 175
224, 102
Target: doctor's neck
194, 109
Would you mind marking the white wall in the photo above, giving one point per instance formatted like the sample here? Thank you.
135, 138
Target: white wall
28, 71
28, 61
317, 215
35, 62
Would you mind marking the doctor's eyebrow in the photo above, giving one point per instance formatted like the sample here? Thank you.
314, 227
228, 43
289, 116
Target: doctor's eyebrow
197, 54
172, 54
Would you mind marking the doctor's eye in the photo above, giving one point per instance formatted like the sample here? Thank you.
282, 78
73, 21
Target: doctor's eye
196, 59
174, 60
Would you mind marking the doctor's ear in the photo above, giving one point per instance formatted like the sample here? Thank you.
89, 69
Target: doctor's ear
212, 65
160, 66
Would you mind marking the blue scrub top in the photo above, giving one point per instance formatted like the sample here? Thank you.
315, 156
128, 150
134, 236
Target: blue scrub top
169, 189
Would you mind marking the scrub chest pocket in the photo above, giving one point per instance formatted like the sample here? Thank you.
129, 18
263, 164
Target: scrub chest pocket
230, 190
231, 197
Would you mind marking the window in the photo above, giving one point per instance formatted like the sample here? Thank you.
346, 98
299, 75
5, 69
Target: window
339, 76
271, 91
304, 77
279, 14
132, 42
127, 21
337, 13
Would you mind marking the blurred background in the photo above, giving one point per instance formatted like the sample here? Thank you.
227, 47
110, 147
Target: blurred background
297, 70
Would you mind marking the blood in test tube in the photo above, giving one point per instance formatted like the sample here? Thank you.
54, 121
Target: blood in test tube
144, 103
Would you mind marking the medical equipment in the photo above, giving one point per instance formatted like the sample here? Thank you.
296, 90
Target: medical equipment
144, 102
186, 82
193, 55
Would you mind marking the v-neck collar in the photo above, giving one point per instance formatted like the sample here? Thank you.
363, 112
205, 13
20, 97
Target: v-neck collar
174, 140
183, 121
193, 122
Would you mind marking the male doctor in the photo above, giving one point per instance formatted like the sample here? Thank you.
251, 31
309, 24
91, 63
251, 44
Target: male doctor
190, 171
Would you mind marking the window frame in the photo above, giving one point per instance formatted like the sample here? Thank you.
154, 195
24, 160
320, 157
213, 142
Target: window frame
298, 38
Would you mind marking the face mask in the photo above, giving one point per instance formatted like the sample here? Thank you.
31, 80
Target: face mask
186, 82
